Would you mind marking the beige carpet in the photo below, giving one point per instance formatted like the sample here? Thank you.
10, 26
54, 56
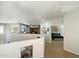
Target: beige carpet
55, 50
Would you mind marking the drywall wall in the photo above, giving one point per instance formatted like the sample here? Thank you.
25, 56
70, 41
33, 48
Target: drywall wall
45, 33
13, 50
71, 32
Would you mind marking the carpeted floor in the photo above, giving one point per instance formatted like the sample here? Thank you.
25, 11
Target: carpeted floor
55, 50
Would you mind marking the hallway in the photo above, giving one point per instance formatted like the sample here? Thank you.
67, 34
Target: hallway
55, 50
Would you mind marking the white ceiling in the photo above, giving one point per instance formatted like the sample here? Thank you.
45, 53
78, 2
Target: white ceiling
38, 10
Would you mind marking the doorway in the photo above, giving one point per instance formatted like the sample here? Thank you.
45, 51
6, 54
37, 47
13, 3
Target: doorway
56, 36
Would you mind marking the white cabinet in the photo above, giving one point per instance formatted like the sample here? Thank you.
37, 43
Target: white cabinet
14, 28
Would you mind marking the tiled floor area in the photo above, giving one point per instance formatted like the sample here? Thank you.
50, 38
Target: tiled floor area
55, 50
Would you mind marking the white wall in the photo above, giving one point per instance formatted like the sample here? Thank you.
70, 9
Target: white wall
47, 35
56, 21
71, 32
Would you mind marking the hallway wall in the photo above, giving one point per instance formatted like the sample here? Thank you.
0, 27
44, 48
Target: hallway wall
71, 32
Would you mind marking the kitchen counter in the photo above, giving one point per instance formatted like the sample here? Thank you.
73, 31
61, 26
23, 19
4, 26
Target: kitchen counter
13, 49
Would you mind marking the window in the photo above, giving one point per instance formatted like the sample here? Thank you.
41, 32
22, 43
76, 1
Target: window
1, 29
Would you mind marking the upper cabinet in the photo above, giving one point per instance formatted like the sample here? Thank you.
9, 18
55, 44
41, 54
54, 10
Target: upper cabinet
35, 29
24, 28
13, 28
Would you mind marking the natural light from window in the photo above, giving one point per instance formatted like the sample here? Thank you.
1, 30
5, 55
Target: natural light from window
1, 29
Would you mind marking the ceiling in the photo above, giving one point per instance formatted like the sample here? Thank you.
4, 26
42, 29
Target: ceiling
37, 10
